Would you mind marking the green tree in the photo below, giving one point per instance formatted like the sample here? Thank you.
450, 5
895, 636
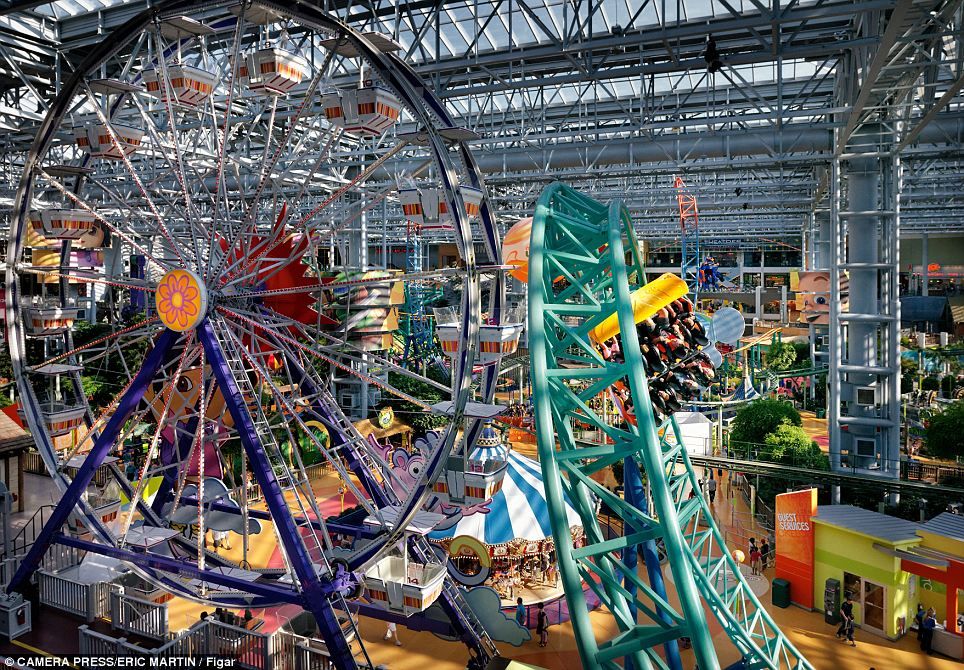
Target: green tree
755, 421
781, 356
802, 350
791, 445
931, 384
788, 444
945, 432
412, 414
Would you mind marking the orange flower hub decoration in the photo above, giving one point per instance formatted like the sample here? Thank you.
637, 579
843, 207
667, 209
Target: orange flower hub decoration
182, 300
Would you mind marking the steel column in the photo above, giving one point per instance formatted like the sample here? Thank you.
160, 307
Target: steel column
105, 442
314, 592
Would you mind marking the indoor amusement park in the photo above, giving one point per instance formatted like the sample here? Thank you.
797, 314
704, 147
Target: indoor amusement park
482, 334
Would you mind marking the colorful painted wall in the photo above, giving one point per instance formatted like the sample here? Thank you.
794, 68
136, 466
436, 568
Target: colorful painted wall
838, 550
795, 543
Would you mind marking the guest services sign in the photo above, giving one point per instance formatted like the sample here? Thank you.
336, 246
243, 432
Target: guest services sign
794, 543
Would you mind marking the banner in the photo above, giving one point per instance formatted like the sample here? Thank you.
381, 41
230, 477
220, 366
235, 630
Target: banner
794, 543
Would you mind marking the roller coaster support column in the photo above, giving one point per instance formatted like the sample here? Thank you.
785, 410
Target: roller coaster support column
635, 495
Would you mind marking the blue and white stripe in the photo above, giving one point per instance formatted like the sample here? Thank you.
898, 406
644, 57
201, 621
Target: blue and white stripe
518, 511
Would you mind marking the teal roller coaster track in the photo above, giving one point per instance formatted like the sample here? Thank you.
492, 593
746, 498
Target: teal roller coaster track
584, 263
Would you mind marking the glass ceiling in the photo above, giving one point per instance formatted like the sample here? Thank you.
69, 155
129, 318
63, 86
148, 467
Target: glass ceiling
63, 9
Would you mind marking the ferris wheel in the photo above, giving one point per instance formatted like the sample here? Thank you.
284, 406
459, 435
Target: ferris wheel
174, 238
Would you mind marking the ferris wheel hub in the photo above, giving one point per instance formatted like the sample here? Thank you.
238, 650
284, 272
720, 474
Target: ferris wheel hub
181, 300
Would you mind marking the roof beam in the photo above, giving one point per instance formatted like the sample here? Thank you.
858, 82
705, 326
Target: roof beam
881, 56
932, 113
10, 6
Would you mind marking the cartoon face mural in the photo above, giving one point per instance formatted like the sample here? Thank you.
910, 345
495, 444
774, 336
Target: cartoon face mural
813, 296
186, 396
408, 466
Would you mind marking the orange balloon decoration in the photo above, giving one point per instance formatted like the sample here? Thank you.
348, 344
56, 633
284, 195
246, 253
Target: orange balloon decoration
515, 248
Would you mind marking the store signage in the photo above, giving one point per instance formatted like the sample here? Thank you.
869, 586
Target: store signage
794, 543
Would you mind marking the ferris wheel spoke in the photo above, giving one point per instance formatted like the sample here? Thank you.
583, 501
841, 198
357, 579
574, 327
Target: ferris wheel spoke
73, 197
168, 395
289, 410
103, 340
293, 124
133, 173
253, 427
442, 273
340, 347
87, 278
269, 338
176, 165
350, 212
276, 332
246, 263
234, 65
333, 136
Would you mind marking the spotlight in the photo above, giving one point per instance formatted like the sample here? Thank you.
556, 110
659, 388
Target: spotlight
712, 56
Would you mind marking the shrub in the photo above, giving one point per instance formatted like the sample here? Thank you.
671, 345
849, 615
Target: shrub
755, 421
945, 432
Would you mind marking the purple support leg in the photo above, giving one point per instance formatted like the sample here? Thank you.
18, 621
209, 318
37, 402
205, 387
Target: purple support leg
272, 593
315, 594
101, 448
461, 627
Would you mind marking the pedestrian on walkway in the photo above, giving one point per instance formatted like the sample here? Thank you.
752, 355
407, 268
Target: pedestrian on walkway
391, 632
755, 557
520, 612
930, 623
711, 487
542, 625
765, 554
849, 632
846, 614
919, 620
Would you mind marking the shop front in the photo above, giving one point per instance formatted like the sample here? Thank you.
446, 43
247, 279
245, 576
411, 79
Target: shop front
937, 566
860, 550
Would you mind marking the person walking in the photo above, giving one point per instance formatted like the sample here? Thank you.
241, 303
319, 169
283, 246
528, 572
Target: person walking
930, 623
391, 632
765, 554
846, 614
849, 632
919, 620
542, 625
711, 487
755, 557
520, 612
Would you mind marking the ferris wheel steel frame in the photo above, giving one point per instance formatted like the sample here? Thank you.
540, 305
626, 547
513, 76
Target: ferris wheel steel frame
579, 276
430, 114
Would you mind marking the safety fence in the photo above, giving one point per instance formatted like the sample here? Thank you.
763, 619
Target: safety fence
931, 472
251, 650
138, 616
33, 464
89, 601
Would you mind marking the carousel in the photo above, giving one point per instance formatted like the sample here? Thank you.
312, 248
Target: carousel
509, 546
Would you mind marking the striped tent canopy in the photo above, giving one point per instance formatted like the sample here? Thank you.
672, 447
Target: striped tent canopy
518, 511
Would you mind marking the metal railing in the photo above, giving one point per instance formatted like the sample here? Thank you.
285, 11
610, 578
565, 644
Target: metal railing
138, 616
89, 601
281, 650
